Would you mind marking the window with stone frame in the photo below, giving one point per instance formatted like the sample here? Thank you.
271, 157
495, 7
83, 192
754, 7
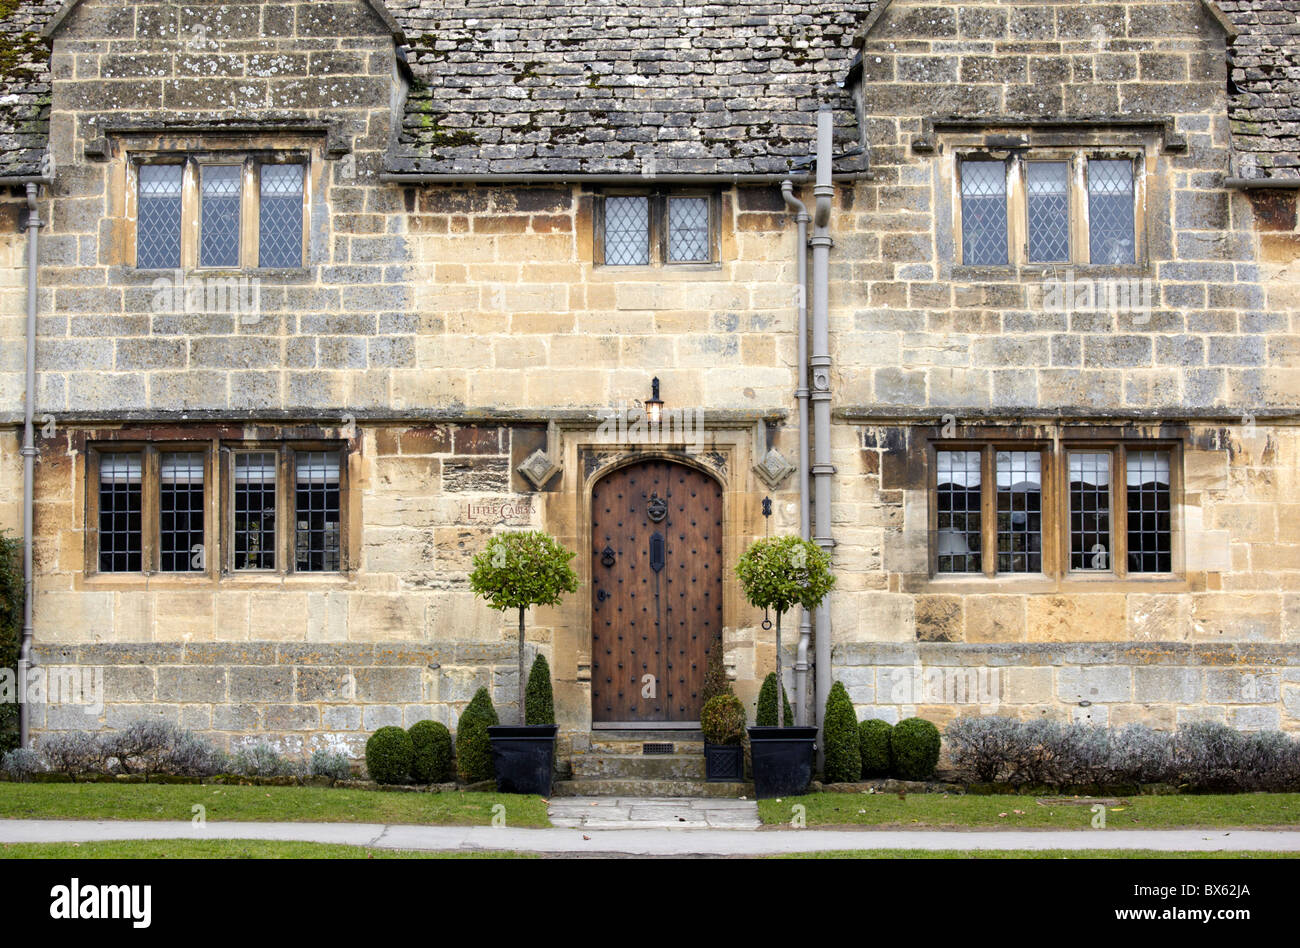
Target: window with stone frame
1048, 206
1059, 508
644, 228
219, 210
217, 509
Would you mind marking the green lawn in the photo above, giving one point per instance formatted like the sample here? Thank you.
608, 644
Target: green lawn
937, 810
227, 849
106, 801
1030, 854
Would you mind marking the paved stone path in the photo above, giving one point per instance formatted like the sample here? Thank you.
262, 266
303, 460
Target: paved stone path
640, 813
650, 842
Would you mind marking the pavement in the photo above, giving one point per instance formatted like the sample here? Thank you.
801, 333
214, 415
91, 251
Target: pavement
649, 842
644, 813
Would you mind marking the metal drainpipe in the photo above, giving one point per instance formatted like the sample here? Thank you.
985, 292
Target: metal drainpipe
29, 474
822, 469
802, 218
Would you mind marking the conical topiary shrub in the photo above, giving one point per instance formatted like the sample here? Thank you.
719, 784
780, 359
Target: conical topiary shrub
432, 745
873, 742
539, 701
388, 755
715, 673
840, 730
914, 744
473, 747
766, 715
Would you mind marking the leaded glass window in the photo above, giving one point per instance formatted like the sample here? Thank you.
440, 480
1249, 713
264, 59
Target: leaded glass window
1020, 512
1090, 507
317, 511
219, 215
180, 513
121, 513
280, 223
984, 213
627, 231
1150, 530
958, 496
1049, 211
254, 510
158, 217
688, 229
1110, 211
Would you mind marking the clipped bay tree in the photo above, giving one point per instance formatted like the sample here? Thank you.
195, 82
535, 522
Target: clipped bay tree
519, 570
780, 572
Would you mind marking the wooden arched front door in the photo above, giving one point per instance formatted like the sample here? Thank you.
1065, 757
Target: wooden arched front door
656, 567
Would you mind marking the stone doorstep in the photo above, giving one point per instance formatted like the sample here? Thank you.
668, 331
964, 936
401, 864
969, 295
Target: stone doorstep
654, 813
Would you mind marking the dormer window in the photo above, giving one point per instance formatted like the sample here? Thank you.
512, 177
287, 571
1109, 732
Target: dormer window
1068, 206
219, 211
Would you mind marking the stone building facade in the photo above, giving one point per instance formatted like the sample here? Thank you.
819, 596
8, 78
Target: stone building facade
452, 353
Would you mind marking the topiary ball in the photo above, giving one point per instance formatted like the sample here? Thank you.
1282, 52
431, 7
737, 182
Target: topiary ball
722, 719
432, 744
914, 744
840, 737
873, 743
389, 753
473, 746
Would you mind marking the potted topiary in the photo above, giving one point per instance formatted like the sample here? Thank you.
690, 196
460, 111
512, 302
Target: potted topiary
722, 719
777, 573
519, 571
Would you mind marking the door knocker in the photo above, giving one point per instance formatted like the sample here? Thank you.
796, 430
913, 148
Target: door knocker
607, 556
657, 509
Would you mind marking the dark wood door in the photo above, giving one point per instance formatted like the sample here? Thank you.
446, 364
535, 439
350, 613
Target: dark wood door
656, 567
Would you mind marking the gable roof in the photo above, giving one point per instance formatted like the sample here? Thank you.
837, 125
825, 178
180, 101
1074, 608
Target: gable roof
24, 86
1264, 108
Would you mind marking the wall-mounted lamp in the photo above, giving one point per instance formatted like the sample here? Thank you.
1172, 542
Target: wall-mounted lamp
654, 406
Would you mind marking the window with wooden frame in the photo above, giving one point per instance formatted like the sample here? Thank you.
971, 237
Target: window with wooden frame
284, 510
1074, 510
656, 228
1049, 206
281, 508
219, 211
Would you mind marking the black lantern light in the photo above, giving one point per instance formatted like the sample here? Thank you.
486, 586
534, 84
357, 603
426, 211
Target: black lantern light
654, 406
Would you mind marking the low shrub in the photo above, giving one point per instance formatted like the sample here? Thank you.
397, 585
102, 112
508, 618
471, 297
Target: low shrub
73, 752
914, 745
20, 763
431, 746
329, 763
473, 747
873, 746
1200, 756
722, 719
843, 754
192, 756
766, 715
539, 701
262, 760
389, 755
143, 746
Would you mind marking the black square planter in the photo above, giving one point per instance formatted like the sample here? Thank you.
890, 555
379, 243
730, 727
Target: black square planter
724, 763
523, 757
